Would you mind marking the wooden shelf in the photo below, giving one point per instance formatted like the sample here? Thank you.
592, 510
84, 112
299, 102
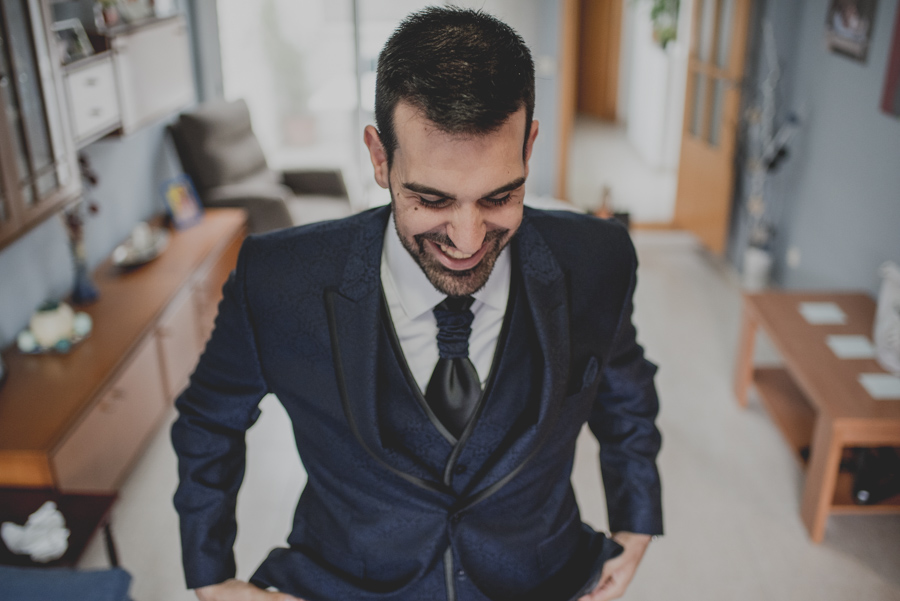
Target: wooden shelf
843, 499
795, 418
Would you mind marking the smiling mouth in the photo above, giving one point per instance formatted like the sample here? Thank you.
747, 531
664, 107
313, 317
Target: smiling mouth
442, 253
454, 252
455, 260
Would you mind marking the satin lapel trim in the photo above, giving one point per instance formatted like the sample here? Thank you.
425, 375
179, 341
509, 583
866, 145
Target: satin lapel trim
353, 316
546, 293
547, 296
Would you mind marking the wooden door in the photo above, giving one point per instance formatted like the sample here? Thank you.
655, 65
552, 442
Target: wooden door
598, 57
711, 116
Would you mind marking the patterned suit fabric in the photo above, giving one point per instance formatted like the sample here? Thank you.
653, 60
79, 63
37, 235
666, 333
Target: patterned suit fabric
303, 317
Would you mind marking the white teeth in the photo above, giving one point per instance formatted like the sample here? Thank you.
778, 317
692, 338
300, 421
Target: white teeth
456, 254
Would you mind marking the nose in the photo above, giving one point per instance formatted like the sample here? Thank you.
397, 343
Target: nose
466, 228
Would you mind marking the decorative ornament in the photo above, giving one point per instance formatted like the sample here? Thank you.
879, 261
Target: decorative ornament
83, 291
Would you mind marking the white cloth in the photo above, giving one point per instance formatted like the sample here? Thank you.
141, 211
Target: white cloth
411, 298
44, 537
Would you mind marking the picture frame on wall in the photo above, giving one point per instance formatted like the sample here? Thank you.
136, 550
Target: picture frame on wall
848, 27
72, 40
182, 202
890, 97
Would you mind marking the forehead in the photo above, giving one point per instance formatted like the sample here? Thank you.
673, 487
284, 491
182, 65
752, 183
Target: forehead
465, 164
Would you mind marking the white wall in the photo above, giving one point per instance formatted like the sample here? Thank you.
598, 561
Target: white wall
655, 81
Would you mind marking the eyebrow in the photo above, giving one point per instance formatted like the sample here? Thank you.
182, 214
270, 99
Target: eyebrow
423, 189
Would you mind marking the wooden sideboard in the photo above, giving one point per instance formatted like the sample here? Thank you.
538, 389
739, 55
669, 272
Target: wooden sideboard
78, 421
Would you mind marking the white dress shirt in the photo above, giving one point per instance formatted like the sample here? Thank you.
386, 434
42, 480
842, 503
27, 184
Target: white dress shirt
411, 298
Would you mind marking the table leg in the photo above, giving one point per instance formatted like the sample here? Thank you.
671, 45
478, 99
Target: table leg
743, 368
821, 477
111, 552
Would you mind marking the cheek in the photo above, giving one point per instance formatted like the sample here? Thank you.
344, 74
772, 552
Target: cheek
511, 216
412, 219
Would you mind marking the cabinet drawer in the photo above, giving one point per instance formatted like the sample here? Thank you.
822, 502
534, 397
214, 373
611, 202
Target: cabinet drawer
154, 68
99, 451
179, 342
92, 98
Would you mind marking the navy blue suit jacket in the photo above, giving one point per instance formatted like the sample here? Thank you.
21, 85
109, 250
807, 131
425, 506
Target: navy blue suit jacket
300, 319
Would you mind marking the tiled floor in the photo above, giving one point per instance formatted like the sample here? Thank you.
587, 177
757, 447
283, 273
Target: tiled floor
731, 488
601, 155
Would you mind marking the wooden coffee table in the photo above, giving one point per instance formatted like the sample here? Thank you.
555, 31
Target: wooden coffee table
815, 398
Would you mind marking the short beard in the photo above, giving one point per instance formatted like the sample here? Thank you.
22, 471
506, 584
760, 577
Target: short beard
449, 281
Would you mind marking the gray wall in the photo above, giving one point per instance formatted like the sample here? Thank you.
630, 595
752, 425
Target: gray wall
131, 169
840, 189
38, 266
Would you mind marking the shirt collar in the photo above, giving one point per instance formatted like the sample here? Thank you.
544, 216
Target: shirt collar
416, 294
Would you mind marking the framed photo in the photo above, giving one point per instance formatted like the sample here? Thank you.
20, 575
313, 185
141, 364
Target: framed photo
182, 202
848, 27
890, 98
72, 40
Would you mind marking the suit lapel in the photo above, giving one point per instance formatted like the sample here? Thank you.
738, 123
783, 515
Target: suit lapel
353, 318
546, 294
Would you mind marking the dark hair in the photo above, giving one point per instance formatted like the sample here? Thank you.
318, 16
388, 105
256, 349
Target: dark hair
465, 70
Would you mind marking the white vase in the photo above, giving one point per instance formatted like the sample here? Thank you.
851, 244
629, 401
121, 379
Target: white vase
757, 269
886, 331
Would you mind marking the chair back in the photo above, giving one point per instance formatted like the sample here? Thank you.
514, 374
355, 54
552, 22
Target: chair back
217, 146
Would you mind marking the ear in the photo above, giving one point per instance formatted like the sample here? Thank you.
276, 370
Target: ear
529, 144
378, 155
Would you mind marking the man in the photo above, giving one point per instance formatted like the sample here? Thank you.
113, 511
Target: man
437, 359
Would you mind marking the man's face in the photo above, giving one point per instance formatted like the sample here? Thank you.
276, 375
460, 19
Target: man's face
457, 200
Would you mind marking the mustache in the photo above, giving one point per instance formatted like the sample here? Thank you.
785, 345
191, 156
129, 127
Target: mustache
441, 238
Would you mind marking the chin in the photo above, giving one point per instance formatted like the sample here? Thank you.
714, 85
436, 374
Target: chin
459, 283
454, 283
449, 281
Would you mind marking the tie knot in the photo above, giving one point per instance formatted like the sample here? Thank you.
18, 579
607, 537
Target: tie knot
454, 320
455, 304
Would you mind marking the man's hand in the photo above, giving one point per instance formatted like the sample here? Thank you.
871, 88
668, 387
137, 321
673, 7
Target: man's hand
237, 590
618, 572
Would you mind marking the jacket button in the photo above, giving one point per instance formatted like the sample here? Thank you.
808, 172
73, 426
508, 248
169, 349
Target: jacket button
460, 573
460, 469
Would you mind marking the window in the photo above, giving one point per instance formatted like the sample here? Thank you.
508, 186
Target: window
307, 71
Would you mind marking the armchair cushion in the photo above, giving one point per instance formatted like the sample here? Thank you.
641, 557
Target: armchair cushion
321, 182
217, 146
265, 203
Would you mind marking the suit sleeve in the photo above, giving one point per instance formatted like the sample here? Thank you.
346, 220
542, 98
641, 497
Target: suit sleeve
623, 420
215, 411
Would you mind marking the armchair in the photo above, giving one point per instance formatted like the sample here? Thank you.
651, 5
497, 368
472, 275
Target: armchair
218, 149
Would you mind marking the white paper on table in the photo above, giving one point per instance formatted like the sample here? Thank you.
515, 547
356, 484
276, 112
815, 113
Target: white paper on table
881, 387
822, 313
851, 347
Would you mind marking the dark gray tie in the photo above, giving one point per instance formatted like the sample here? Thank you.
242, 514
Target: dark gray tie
454, 389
